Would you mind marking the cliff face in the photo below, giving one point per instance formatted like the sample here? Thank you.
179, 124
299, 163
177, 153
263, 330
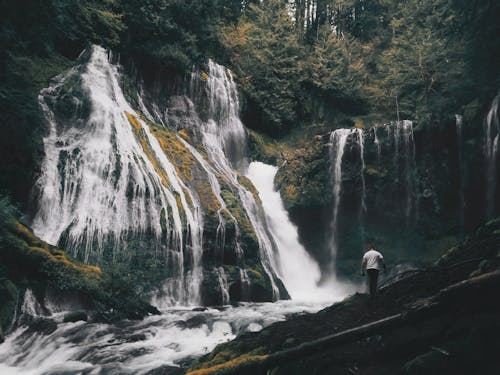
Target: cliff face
411, 191
150, 180
38, 278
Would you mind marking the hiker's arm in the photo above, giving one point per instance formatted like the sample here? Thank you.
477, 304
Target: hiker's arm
363, 265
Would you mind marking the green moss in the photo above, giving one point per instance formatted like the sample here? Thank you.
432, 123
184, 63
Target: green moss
230, 366
247, 184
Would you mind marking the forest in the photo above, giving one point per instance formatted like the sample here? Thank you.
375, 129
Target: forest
190, 186
338, 61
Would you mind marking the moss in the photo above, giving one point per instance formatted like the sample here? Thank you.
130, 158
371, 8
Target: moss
247, 184
146, 147
176, 151
264, 149
180, 207
56, 256
230, 366
254, 274
373, 171
291, 193
183, 133
207, 198
233, 204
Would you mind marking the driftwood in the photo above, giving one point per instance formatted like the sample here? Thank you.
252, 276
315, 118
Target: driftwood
476, 289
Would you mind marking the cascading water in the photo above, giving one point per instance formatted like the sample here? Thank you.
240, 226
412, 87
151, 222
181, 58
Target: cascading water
492, 133
102, 182
399, 137
225, 142
298, 271
377, 143
338, 142
110, 177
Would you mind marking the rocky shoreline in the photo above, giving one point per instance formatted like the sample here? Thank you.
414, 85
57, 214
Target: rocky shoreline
456, 305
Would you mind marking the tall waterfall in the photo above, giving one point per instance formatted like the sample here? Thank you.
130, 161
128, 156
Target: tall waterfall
298, 270
114, 184
338, 142
492, 133
398, 143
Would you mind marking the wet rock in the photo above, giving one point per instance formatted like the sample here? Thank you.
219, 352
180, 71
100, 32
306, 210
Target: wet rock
199, 309
196, 321
166, 370
75, 316
43, 326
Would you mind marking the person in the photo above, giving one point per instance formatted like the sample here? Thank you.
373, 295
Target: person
371, 263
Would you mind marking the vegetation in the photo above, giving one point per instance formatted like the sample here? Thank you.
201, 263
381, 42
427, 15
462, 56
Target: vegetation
299, 62
28, 262
306, 61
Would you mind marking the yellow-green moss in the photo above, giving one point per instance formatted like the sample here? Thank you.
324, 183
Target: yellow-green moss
207, 198
204, 75
254, 273
176, 151
53, 254
183, 133
146, 147
291, 193
247, 184
230, 366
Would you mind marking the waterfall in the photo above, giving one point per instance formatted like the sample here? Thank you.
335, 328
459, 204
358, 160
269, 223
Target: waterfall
377, 143
410, 168
492, 132
461, 195
398, 137
297, 269
113, 184
224, 139
338, 141
361, 143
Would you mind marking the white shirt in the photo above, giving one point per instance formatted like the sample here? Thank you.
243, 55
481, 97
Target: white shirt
372, 259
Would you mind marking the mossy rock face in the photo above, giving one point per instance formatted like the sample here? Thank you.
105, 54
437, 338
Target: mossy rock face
303, 179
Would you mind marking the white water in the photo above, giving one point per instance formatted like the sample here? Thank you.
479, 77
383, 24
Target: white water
377, 143
297, 269
338, 141
104, 182
224, 139
492, 133
398, 139
136, 347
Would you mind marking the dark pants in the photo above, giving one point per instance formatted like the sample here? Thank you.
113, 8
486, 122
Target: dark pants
372, 281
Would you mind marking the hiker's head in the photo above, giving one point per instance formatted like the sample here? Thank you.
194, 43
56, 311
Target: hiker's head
372, 246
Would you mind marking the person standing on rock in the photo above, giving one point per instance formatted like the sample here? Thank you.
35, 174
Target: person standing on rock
371, 263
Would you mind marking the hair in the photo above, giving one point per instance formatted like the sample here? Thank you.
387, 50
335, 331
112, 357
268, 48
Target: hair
372, 246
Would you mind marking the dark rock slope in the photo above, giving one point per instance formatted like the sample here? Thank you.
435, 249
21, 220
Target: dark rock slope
443, 319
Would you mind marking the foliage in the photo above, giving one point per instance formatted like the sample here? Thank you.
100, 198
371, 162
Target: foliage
421, 58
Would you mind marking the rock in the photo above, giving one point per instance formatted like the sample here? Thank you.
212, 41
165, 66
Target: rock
166, 370
41, 325
75, 316
199, 309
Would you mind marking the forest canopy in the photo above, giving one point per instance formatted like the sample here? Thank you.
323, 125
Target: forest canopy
298, 62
